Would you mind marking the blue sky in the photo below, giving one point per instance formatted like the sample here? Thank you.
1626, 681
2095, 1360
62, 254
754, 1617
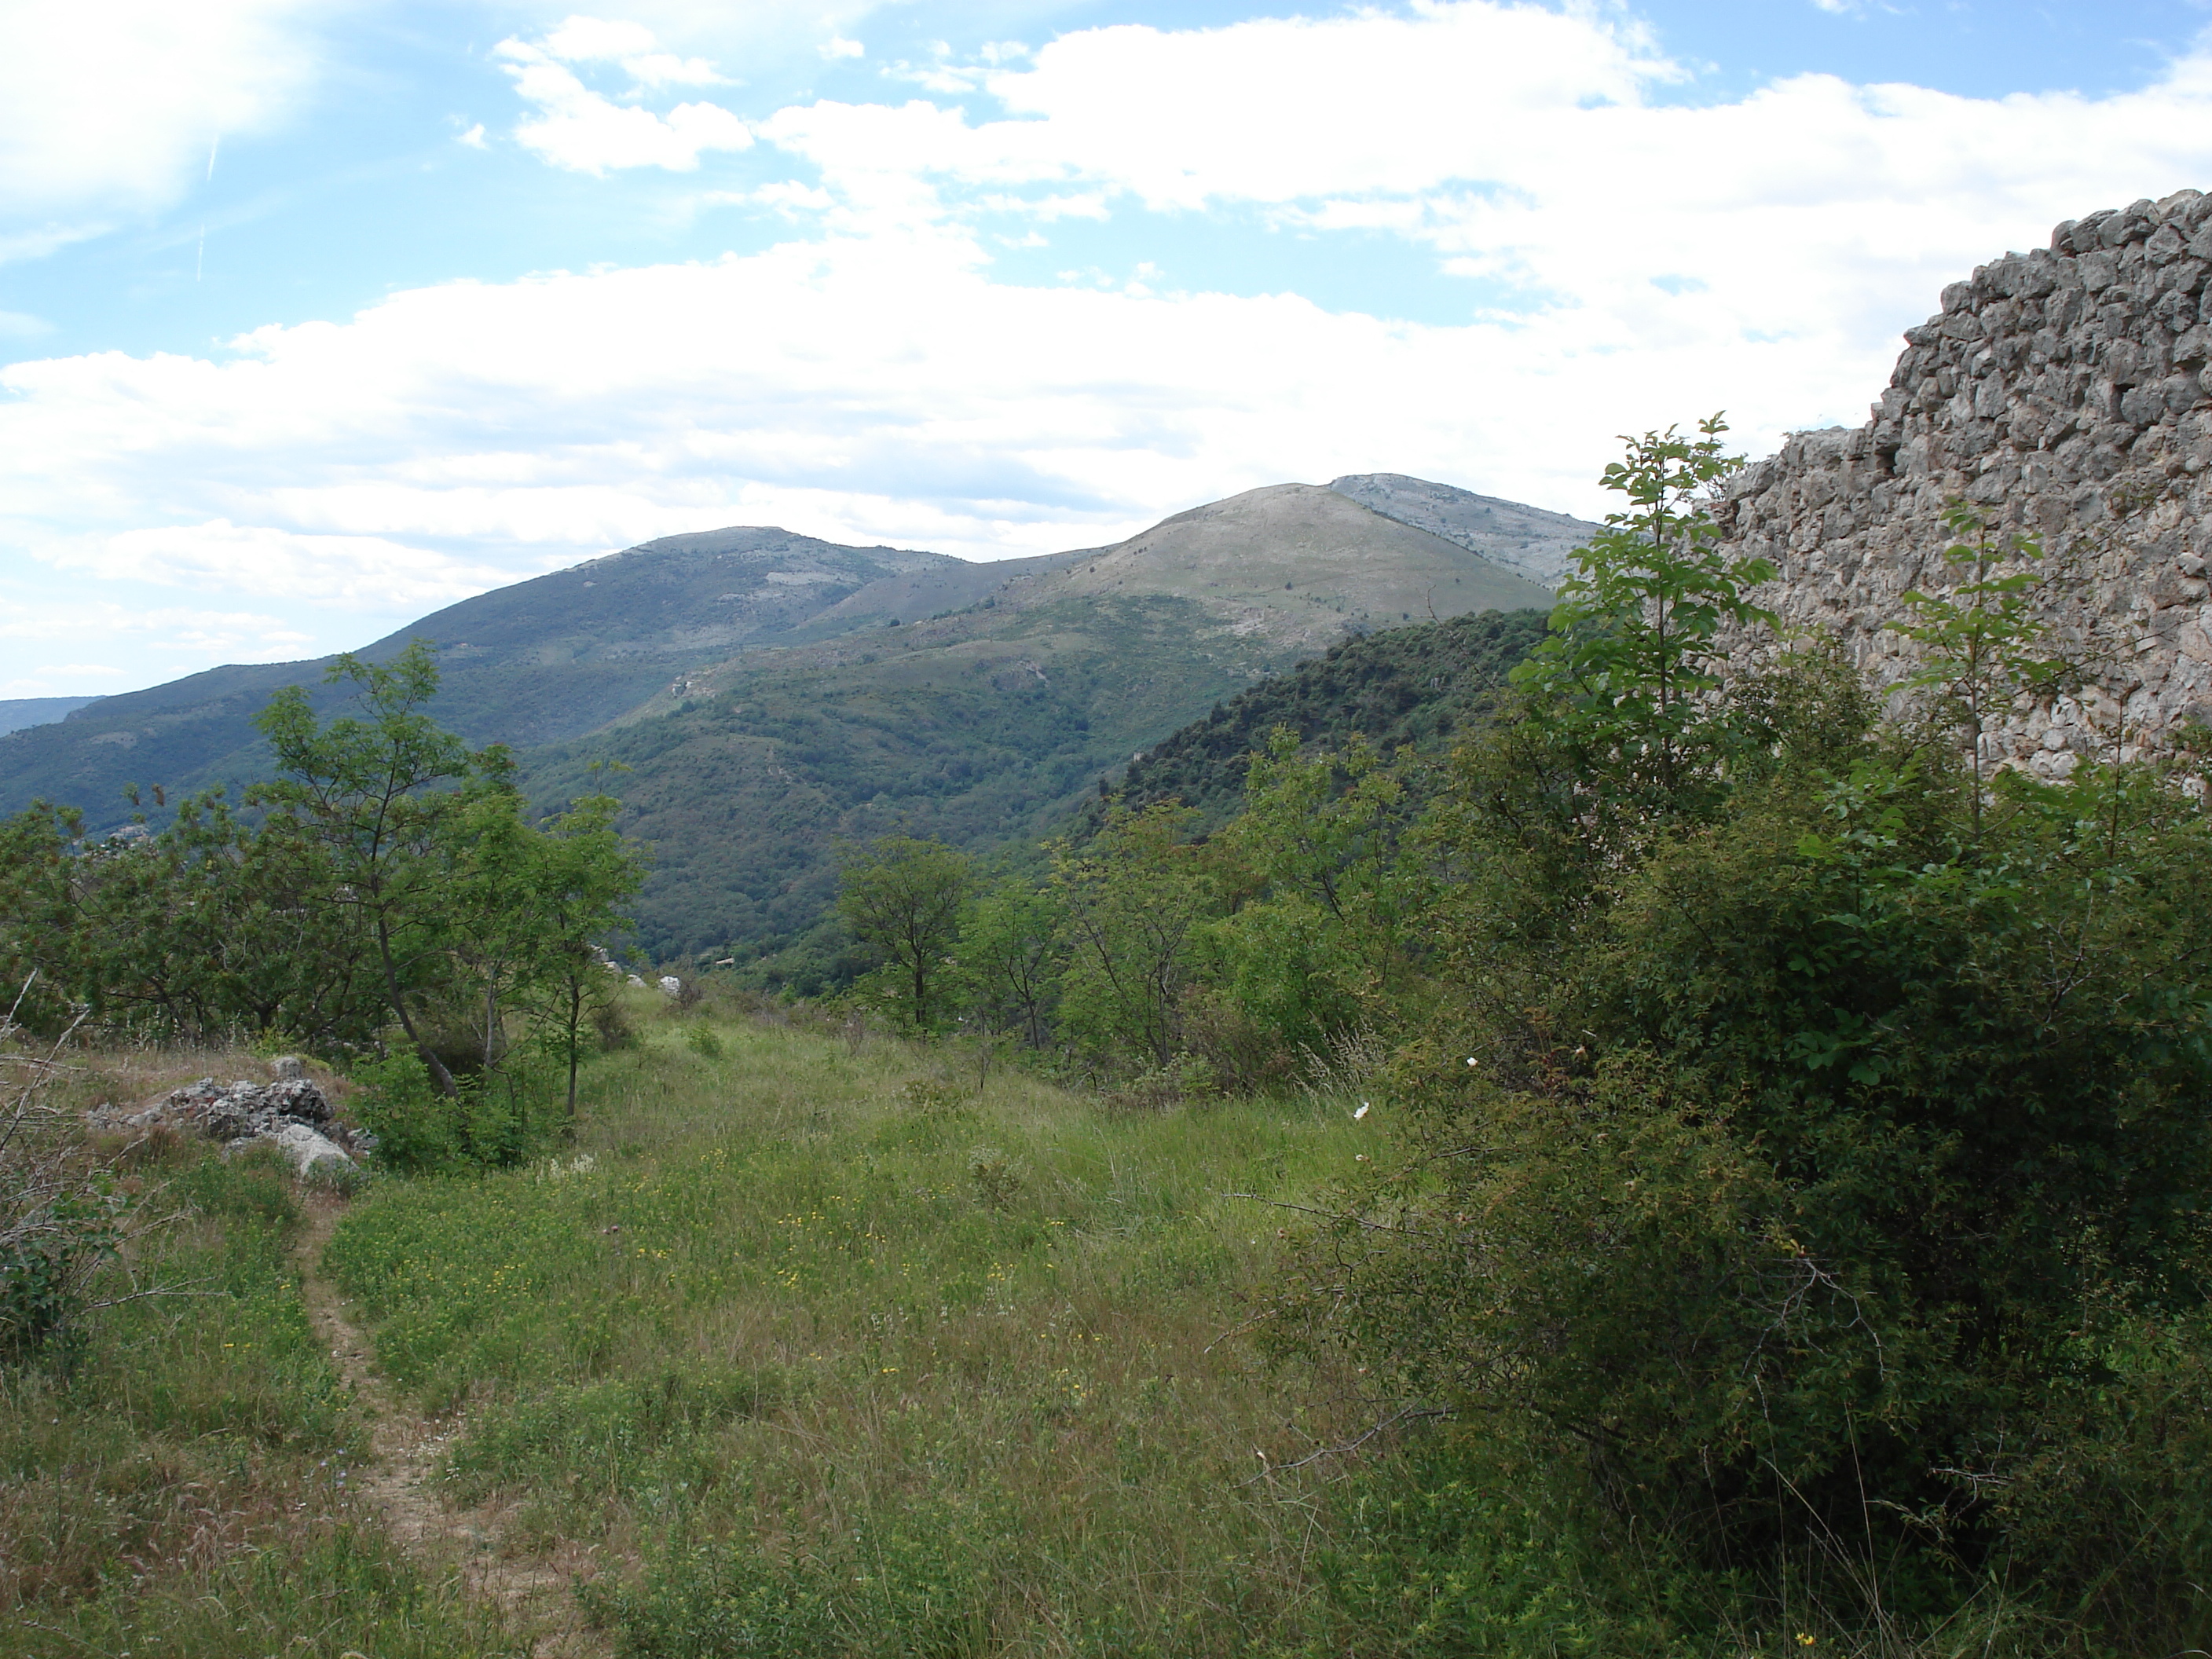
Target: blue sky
316, 316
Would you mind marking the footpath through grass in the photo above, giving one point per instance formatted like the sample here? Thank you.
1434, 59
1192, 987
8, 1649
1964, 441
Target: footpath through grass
823, 1352
178, 1484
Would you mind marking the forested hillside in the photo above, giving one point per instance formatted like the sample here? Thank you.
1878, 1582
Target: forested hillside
1421, 685
744, 792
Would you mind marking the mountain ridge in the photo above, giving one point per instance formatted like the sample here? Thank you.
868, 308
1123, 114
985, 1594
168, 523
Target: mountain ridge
621, 638
773, 694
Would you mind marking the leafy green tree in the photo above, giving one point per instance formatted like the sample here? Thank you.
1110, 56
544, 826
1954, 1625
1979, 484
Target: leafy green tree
907, 897
1324, 886
581, 873
42, 934
1134, 902
495, 905
1626, 674
374, 792
1009, 960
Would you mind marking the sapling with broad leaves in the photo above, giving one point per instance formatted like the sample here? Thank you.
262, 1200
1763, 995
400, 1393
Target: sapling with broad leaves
1635, 651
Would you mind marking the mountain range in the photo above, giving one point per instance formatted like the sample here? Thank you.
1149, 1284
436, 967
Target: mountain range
772, 694
16, 712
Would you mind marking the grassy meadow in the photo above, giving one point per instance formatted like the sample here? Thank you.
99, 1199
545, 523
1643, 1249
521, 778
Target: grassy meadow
805, 1345
815, 1347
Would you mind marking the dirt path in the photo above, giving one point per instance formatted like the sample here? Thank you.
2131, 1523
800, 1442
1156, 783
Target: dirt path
531, 1592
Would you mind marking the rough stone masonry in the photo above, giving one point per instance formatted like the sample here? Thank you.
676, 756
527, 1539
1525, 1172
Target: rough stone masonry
2068, 391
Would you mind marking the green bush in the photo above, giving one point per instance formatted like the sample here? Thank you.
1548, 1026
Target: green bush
1809, 1139
417, 1128
491, 1120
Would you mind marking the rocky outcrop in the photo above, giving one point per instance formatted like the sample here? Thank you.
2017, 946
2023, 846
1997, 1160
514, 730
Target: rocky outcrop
291, 1114
1529, 540
2067, 392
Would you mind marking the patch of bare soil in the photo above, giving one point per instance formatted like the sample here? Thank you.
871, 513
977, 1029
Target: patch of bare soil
531, 1592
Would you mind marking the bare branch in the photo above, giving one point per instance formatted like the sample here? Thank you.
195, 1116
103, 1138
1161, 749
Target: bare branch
1410, 1414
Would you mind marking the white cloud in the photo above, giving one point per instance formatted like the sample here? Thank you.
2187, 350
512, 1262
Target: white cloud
836, 47
786, 196
1526, 149
631, 45
1631, 263
61, 679
370, 571
250, 635
585, 131
112, 111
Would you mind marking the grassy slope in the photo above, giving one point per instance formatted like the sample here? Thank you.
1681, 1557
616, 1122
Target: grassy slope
182, 1490
879, 1376
812, 1349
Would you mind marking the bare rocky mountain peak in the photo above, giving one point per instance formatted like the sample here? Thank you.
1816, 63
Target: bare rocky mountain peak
2067, 391
1529, 540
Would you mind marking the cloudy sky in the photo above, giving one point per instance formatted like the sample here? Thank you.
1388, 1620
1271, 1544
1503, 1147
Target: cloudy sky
317, 314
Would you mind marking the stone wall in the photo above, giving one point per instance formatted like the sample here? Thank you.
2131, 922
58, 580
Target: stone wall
2066, 390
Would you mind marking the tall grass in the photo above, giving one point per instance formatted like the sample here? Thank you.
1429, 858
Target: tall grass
836, 1349
178, 1483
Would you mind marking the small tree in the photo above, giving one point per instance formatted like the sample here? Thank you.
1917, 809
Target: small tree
1628, 671
1133, 902
1009, 960
581, 873
1979, 639
1321, 945
366, 789
907, 897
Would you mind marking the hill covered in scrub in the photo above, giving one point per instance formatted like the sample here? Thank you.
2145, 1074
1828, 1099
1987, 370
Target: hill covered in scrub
1419, 685
16, 712
555, 659
985, 728
538, 662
